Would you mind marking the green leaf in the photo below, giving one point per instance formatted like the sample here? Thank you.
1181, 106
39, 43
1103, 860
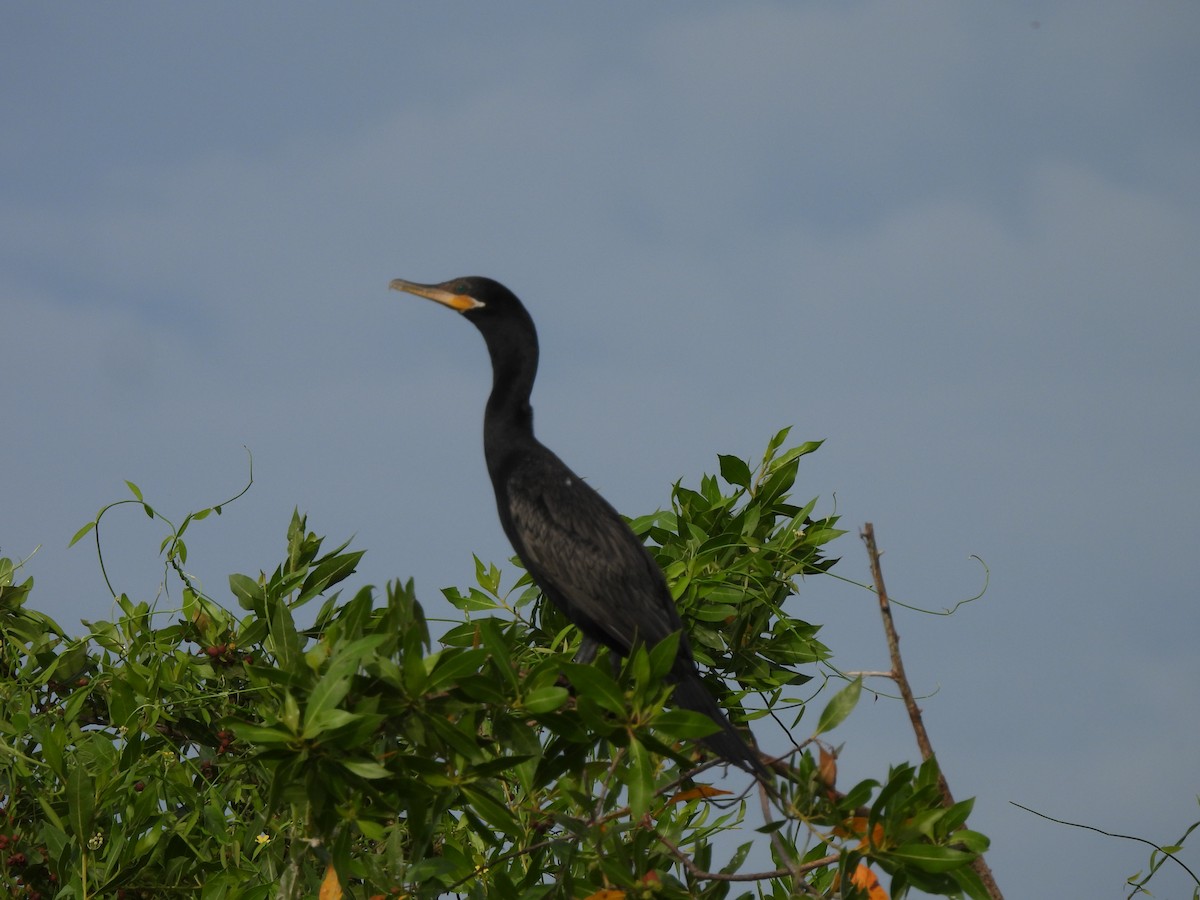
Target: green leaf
329, 571
291, 713
473, 601
487, 577
663, 655
81, 802
775, 443
365, 769
55, 840
462, 742
979, 843
412, 661
735, 471
839, 707
714, 612
454, 664
282, 638
335, 683
134, 489
492, 810
957, 814
683, 723
595, 685
641, 779
260, 734
249, 593
544, 700
372, 831
931, 858
81, 533
497, 646
970, 882
797, 452
326, 720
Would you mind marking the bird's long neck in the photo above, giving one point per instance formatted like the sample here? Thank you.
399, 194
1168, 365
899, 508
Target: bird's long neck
508, 419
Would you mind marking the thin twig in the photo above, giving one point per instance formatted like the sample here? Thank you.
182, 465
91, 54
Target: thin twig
866, 673
781, 849
910, 702
689, 864
1125, 837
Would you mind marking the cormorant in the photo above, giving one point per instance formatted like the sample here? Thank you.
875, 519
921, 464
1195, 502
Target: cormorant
574, 544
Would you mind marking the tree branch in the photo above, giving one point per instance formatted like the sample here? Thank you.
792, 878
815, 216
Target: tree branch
910, 702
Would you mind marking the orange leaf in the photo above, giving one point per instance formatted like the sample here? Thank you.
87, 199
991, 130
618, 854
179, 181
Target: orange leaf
827, 768
606, 894
699, 792
331, 888
865, 879
856, 827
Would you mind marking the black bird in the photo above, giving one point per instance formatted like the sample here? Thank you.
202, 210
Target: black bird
576, 547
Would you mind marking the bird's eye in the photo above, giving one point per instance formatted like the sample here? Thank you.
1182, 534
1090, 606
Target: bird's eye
462, 288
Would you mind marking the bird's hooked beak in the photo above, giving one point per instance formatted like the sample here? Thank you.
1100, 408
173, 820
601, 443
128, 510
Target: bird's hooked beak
449, 294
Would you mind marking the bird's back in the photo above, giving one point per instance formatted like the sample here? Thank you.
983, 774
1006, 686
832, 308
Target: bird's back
582, 553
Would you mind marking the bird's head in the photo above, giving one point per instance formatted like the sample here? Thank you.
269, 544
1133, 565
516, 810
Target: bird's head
474, 296
501, 318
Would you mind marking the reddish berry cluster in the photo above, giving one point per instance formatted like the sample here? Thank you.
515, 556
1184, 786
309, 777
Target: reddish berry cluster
24, 872
225, 654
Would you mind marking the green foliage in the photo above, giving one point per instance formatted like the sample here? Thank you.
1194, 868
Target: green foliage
217, 752
1160, 857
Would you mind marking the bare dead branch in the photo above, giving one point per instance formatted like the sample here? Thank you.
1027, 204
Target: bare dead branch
910, 702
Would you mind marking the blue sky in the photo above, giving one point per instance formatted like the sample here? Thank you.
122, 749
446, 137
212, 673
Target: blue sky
958, 242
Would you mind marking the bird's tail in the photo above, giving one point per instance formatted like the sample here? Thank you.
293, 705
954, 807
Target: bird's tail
728, 743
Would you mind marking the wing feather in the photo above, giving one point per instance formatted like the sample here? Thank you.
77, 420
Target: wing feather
585, 558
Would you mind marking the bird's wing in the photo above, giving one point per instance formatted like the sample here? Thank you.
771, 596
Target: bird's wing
585, 558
